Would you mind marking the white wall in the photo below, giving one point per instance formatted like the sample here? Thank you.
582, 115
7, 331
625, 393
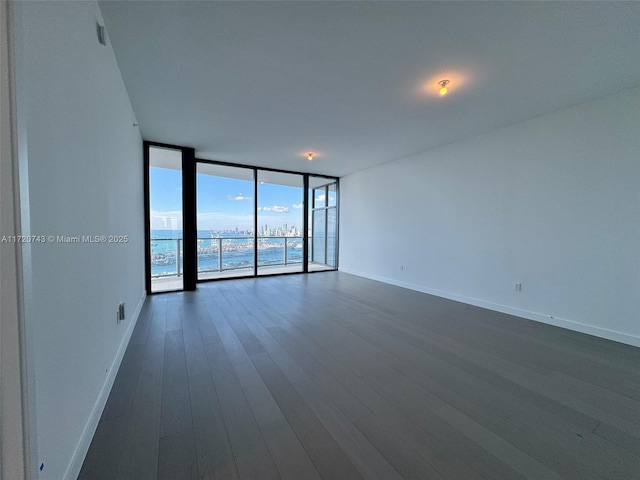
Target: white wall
553, 202
12, 451
81, 169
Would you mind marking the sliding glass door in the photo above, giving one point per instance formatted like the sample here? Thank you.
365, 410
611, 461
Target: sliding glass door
225, 221
280, 222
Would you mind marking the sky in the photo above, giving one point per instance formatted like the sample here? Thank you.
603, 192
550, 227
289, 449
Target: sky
222, 203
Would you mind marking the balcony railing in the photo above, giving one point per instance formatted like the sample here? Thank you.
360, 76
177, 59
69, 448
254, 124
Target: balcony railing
223, 254
166, 257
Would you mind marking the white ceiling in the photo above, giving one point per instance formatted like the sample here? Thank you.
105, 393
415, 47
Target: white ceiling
261, 83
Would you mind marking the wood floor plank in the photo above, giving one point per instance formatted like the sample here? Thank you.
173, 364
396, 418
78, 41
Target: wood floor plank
176, 459
253, 460
396, 450
535, 424
291, 369
600, 397
369, 462
541, 385
612, 434
288, 454
214, 455
418, 334
335, 377
554, 455
293, 342
105, 451
193, 344
123, 391
470, 325
329, 459
510, 455
139, 459
341, 343
141, 330
175, 415
593, 404
298, 364
447, 462
419, 405
174, 313
497, 390
593, 451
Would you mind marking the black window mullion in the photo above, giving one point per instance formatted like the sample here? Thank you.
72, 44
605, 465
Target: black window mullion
147, 220
189, 241
305, 223
255, 222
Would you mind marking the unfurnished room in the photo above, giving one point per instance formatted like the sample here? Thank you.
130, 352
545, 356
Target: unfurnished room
327, 240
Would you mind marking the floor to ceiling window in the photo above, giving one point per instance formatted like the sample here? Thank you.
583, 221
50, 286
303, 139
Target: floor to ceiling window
165, 219
210, 220
323, 224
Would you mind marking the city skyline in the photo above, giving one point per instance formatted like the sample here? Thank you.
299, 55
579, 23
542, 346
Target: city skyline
223, 204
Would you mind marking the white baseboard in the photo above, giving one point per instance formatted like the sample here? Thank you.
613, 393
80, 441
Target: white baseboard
616, 336
73, 470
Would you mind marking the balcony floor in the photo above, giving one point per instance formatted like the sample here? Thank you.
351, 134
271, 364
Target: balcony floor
172, 283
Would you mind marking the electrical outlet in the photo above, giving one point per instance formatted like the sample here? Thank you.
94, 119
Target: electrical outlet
518, 287
401, 268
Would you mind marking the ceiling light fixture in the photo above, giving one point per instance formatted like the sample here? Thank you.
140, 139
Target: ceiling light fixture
443, 86
310, 156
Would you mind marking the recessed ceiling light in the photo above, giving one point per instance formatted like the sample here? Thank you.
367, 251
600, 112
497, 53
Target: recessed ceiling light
443, 86
310, 156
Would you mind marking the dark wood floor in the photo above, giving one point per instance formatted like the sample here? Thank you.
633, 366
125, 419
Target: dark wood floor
331, 376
